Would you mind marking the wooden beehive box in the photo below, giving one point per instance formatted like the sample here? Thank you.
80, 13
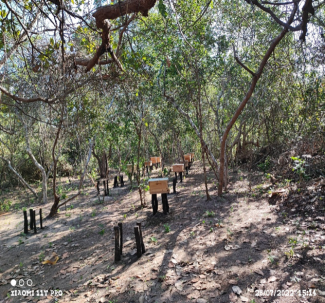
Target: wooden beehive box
158, 160
148, 163
186, 164
158, 186
187, 157
177, 168
129, 168
154, 160
192, 155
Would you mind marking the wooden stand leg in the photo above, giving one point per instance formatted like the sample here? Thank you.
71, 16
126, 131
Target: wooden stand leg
176, 176
34, 221
186, 170
25, 222
117, 243
164, 203
143, 249
122, 182
181, 176
154, 202
31, 226
174, 185
41, 218
115, 182
138, 241
121, 238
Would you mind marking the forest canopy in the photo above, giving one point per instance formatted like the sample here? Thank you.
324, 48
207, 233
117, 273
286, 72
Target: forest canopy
89, 85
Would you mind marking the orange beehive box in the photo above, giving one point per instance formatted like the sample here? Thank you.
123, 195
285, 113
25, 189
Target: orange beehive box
158, 159
154, 160
186, 164
129, 167
148, 163
158, 186
187, 157
192, 155
178, 168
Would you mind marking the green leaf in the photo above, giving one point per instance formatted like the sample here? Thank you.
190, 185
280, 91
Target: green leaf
162, 8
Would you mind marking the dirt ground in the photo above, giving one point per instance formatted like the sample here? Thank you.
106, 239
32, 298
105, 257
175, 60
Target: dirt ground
242, 247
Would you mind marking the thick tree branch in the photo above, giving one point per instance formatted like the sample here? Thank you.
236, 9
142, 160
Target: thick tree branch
21, 179
122, 8
240, 63
248, 95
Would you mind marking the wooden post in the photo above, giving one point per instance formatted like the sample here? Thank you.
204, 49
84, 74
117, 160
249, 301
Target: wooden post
107, 187
122, 182
31, 219
34, 221
174, 185
40, 218
186, 170
138, 241
181, 176
121, 238
165, 203
115, 182
117, 243
143, 249
154, 202
176, 176
25, 222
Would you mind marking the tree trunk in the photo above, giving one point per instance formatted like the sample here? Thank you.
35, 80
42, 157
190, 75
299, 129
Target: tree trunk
249, 93
20, 178
55, 207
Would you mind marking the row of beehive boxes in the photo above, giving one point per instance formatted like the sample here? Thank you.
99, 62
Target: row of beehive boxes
153, 160
189, 157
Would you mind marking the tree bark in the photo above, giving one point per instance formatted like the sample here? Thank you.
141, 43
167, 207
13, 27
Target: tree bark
21, 179
122, 8
39, 166
249, 93
55, 207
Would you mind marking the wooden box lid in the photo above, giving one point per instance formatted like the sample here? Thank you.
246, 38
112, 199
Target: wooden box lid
158, 186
